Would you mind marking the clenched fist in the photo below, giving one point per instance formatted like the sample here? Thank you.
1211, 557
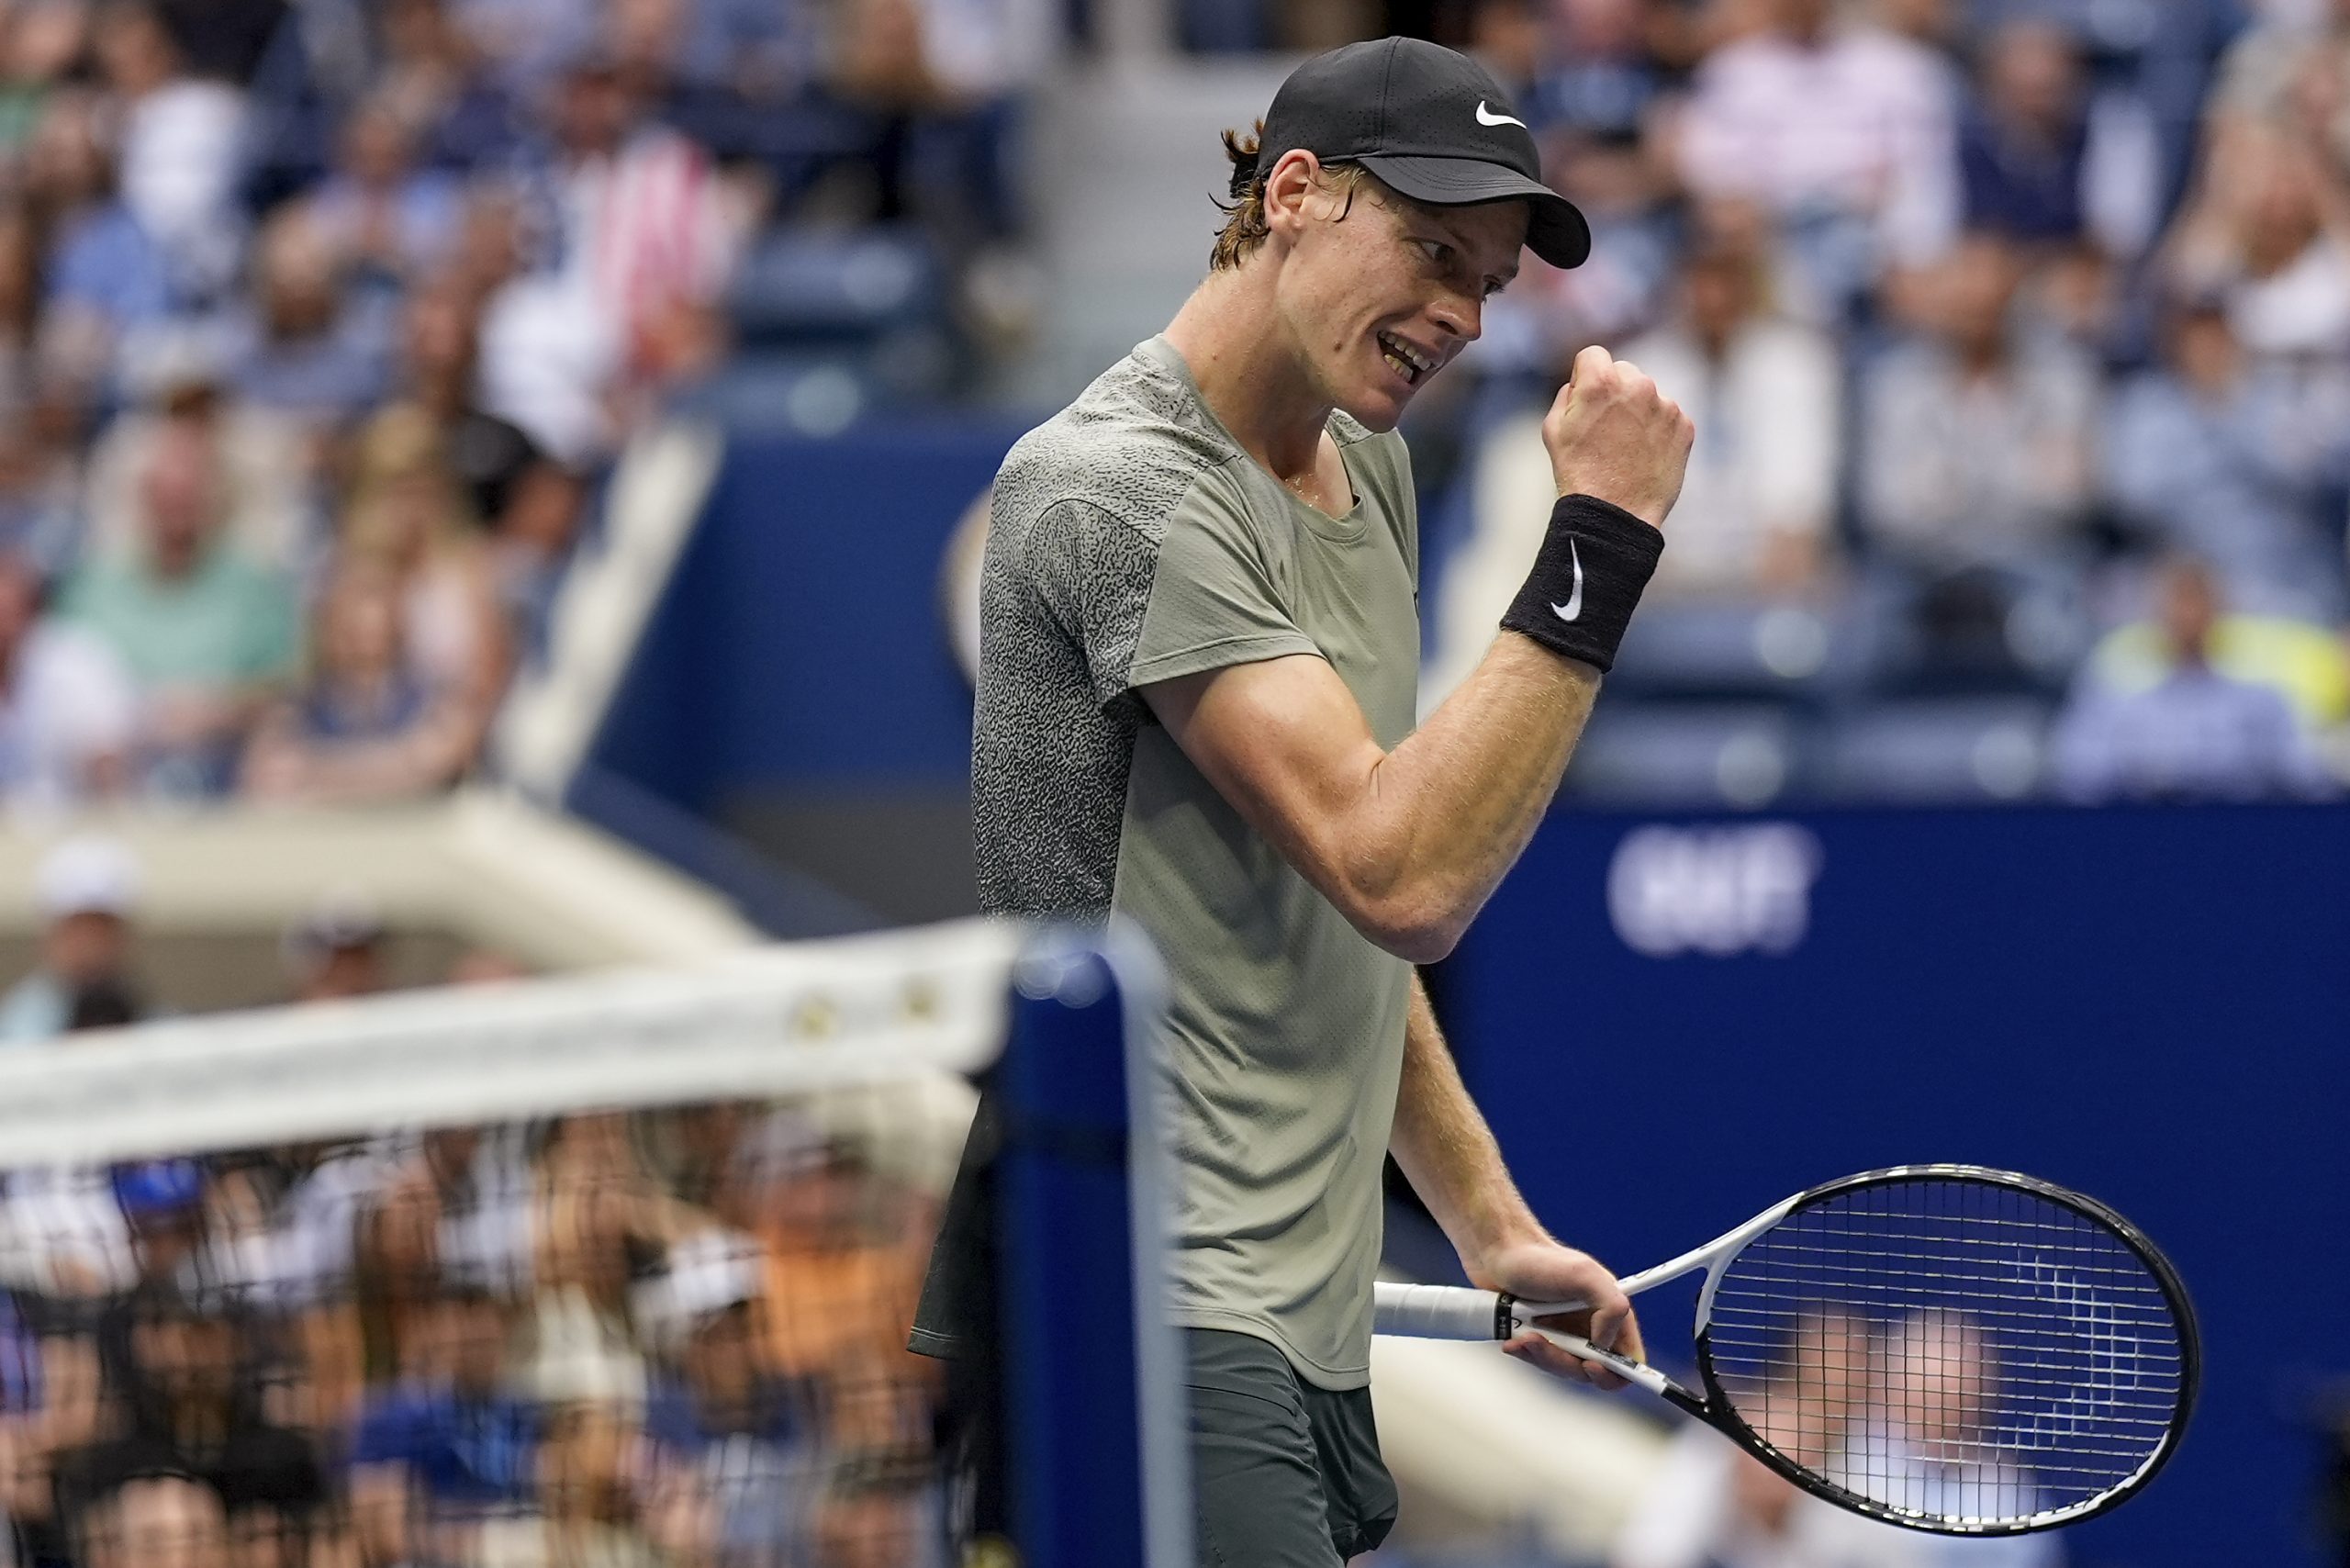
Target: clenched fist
1613, 435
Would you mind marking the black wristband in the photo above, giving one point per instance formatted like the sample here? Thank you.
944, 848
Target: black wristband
1586, 580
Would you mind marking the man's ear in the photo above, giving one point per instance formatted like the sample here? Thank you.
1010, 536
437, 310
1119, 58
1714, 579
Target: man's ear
1292, 188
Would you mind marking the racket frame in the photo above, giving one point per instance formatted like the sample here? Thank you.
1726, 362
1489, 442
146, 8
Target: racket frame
1508, 1315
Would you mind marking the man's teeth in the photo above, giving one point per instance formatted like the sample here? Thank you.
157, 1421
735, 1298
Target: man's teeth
1409, 362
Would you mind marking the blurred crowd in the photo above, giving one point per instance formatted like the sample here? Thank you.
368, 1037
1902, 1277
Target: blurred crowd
1905, 1412
669, 1337
2017, 333
320, 326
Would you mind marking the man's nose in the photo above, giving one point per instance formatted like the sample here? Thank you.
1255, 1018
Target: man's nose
1461, 315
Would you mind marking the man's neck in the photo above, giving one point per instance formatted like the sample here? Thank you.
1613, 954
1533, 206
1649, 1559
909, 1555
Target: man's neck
174, 566
1246, 377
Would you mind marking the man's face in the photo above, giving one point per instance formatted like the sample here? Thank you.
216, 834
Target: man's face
189, 1358
181, 487
1378, 293
1804, 18
721, 1360
86, 946
2191, 608
170, 1523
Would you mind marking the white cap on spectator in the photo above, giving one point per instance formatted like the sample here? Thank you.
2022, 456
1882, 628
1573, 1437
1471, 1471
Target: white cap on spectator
578, 1359
87, 876
709, 1272
340, 919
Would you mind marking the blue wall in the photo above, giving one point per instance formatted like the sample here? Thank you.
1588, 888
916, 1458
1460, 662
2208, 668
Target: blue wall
2149, 1005
802, 642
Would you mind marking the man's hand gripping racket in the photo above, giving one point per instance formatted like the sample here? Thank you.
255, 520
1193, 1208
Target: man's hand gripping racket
1945, 1346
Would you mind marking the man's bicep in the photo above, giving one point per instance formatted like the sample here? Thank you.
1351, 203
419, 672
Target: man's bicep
1283, 741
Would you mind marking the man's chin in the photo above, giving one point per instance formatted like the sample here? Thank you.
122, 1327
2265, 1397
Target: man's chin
1377, 414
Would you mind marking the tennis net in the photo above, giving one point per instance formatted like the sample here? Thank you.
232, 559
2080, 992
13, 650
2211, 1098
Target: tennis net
599, 1271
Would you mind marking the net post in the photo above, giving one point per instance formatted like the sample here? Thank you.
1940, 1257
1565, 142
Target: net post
1098, 1460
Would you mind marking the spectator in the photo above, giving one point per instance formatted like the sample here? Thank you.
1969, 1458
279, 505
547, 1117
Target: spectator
156, 1521
2269, 233
646, 233
182, 149
208, 634
222, 40
1604, 83
434, 78
2286, 76
179, 1375
20, 302
451, 1443
408, 518
266, 458
41, 489
68, 710
834, 1229
1754, 515
727, 1433
87, 891
587, 1509
48, 1405
529, 504
2237, 460
41, 45
368, 725
2194, 733
379, 212
336, 949
2043, 163
1547, 316
306, 350
1977, 439
1846, 133
108, 275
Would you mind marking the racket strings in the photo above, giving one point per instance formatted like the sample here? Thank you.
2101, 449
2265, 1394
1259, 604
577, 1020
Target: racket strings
1958, 1353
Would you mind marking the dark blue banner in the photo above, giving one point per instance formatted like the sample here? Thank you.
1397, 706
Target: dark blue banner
1674, 1023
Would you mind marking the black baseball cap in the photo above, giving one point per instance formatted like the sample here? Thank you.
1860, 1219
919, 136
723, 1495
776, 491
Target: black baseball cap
1431, 123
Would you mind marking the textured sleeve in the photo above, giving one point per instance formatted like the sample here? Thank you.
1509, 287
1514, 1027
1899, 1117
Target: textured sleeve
1214, 597
1092, 572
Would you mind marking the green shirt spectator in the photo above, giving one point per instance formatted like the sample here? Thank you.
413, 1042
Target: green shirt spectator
207, 635
225, 621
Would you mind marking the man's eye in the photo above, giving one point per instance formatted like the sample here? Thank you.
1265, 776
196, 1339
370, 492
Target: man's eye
1436, 251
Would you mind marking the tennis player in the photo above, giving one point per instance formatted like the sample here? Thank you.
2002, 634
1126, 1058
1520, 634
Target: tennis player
1196, 699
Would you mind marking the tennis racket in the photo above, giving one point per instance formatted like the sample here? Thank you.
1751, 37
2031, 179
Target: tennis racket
1944, 1347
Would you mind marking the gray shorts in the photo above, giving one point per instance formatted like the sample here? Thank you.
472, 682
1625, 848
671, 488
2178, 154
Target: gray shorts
1288, 1474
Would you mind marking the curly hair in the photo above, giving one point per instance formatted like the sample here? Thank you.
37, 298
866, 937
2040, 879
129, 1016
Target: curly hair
1244, 214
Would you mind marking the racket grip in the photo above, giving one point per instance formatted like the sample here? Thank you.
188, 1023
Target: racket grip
1631, 1370
1440, 1312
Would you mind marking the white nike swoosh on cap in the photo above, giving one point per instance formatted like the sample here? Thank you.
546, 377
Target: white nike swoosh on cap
1487, 117
1573, 609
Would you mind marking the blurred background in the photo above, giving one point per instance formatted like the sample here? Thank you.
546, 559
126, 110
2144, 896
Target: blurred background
495, 486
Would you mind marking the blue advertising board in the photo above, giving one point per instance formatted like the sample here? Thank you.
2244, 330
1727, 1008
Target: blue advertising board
1672, 1024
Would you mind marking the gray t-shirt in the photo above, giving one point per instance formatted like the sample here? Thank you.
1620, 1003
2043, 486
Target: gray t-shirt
1133, 541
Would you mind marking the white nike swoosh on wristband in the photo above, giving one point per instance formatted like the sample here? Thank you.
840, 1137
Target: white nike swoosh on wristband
1573, 609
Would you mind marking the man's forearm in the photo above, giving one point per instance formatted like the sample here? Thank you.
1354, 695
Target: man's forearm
1452, 807
1449, 1153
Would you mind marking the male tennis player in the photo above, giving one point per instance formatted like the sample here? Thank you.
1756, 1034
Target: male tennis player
1196, 698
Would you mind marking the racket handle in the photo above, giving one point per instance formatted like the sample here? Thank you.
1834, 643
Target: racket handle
1453, 1312
1439, 1312
1631, 1370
